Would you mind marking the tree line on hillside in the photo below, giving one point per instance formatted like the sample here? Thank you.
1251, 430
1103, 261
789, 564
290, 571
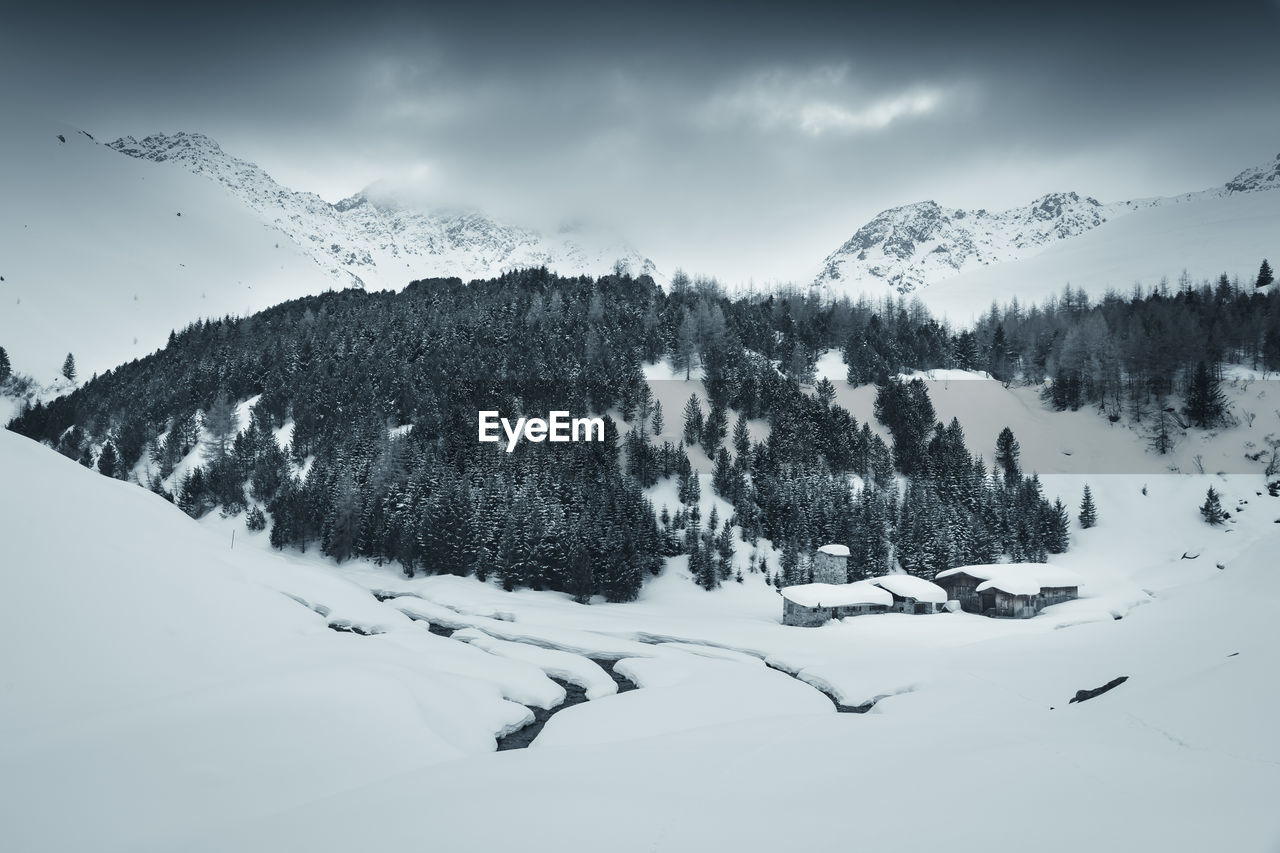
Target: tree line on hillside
1153, 356
334, 374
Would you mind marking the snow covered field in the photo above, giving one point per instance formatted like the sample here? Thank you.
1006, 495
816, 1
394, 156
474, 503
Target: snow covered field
184, 695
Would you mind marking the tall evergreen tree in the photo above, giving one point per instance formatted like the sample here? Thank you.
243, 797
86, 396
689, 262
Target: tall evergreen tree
1088, 512
682, 356
1265, 276
1205, 402
69, 367
1057, 528
998, 357
107, 462
1007, 457
714, 429
826, 391
741, 441
5, 367
692, 421
790, 567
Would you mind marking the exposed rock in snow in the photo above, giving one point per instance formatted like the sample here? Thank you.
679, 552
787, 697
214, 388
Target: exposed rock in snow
917, 244
1086, 695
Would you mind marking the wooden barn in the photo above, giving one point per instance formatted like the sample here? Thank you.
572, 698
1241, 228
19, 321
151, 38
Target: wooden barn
812, 604
911, 594
1009, 590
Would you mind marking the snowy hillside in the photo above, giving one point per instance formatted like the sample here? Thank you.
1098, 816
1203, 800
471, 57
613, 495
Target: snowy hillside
987, 255
102, 254
188, 695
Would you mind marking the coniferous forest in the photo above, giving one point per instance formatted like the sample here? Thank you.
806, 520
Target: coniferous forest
382, 389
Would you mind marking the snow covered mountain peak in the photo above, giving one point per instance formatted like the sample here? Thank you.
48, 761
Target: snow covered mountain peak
371, 239
197, 153
910, 246
921, 244
164, 146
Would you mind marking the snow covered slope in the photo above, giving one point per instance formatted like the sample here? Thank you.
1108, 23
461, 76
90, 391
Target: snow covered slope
106, 248
984, 255
155, 680
372, 241
102, 255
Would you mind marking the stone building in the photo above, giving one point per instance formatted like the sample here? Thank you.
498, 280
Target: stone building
831, 564
1009, 590
911, 594
812, 604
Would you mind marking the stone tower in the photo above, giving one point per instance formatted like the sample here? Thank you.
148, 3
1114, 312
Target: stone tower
831, 564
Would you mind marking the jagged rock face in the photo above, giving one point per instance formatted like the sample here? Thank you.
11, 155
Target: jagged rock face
377, 243
921, 244
909, 247
1264, 177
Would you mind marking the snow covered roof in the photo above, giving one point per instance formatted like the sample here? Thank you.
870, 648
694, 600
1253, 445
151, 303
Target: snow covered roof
909, 586
1016, 578
835, 550
836, 594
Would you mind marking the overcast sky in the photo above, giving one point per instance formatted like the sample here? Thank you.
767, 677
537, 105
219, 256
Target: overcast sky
744, 140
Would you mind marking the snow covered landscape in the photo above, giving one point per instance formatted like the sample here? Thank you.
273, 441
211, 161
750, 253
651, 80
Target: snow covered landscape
965, 536
187, 694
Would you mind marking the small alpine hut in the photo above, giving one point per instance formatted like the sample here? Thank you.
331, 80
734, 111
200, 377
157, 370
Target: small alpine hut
1010, 590
831, 564
912, 594
811, 604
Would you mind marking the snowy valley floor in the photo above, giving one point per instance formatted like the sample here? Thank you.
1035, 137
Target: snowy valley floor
162, 691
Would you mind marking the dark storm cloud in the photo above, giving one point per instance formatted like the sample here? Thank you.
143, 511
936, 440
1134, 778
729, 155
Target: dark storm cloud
740, 139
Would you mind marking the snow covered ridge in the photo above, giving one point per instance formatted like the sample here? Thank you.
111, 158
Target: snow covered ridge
371, 240
920, 244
